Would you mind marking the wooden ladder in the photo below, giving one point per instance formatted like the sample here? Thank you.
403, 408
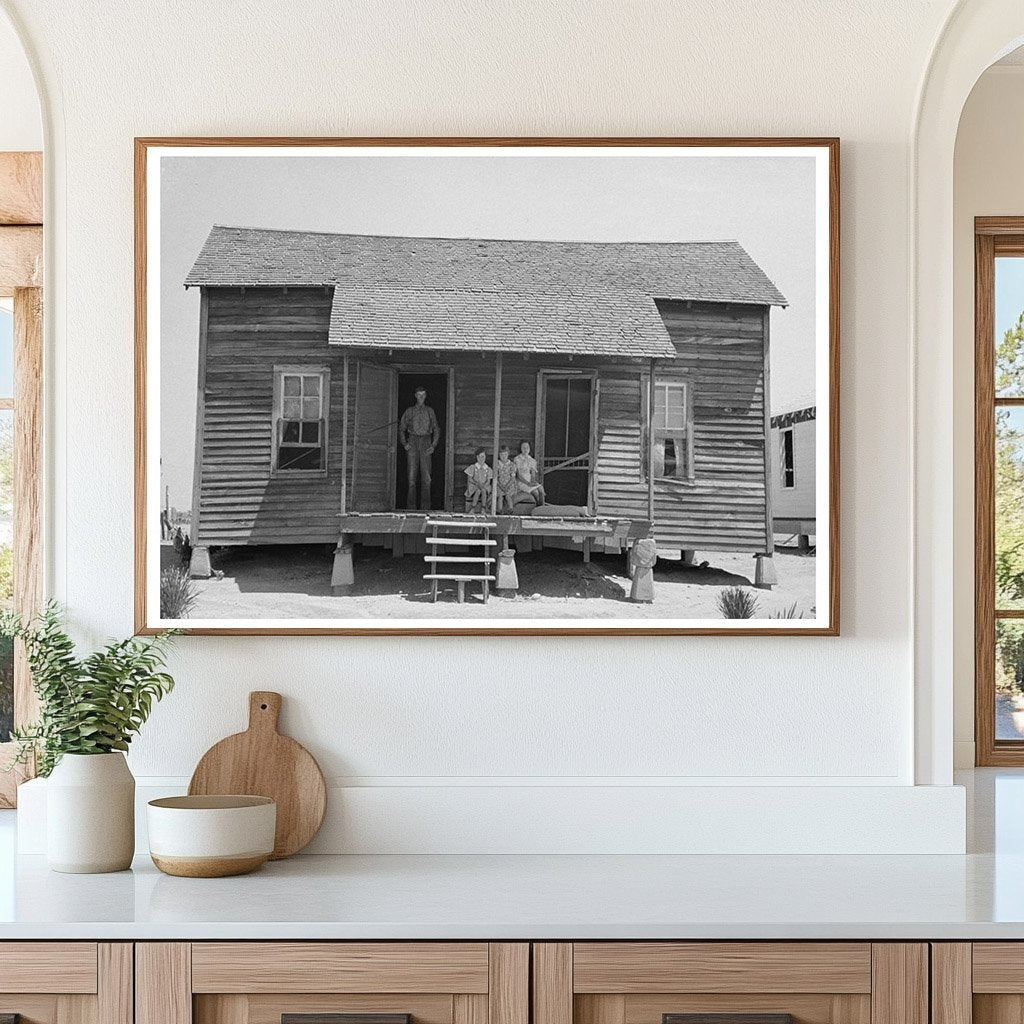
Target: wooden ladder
485, 560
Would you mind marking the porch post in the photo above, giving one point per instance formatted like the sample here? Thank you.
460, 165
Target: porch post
497, 432
650, 445
344, 433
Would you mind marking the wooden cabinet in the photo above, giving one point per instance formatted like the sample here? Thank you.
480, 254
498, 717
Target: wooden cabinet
758, 982
66, 982
978, 983
308, 982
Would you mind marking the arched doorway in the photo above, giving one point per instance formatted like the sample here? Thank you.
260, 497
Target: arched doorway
976, 34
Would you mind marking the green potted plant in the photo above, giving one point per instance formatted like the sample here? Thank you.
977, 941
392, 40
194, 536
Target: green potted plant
90, 708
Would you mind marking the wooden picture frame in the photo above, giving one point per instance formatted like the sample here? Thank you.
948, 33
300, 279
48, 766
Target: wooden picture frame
825, 607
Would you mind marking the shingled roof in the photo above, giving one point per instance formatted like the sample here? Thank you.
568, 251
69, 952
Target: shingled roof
488, 295
609, 323
701, 271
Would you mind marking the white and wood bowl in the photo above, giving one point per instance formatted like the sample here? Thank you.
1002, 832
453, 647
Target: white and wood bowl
211, 836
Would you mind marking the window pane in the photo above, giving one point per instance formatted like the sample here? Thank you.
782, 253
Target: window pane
1009, 679
311, 385
1009, 325
290, 432
311, 432
311, 408
298, 458
291, 384
291, 408
1009, 513
6, 353
6, 567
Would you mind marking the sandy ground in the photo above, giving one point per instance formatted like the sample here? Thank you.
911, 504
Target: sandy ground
294, 583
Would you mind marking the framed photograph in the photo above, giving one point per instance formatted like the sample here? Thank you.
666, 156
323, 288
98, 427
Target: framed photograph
463, 386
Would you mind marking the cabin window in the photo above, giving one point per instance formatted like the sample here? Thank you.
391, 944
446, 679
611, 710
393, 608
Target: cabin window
673, 431
300, 430
786, 465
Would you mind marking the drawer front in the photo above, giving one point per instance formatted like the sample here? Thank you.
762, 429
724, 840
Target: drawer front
981, 982
755, 967
332, 983
64, 967
66, 982
340, 967
730, 983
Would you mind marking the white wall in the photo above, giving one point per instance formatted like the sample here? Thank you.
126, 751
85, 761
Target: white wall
419, 715
987, 181
21, 126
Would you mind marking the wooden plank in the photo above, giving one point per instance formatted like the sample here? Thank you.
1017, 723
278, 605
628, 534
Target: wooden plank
21, 258
344, 434
899, 990
65, 967
469, 1009
21, 188
552, 983
605, 1009
951, 1001
722, 967
228, 1009
508, 993
339, 967
28, 483
115, 983
997, 1009
769, 536
163, 983
497, 431
984, 504
998, 967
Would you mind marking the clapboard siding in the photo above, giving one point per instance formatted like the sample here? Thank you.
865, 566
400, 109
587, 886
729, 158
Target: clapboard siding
240, 502
720, 352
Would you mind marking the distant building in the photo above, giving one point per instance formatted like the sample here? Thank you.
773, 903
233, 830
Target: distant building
793, 463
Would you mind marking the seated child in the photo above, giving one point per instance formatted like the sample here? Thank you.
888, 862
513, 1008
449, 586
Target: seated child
526, 474
478, 482
505, 471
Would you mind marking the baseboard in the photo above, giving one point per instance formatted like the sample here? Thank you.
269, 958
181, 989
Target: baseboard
526, 819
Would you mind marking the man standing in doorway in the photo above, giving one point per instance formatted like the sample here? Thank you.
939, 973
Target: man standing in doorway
419, 433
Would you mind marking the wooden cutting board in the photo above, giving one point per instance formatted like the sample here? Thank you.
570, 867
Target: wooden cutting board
262, 762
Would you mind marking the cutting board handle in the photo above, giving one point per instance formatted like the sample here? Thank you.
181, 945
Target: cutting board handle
264, 710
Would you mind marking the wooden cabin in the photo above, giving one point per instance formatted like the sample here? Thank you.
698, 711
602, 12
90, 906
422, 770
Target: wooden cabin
794, 491
638, 371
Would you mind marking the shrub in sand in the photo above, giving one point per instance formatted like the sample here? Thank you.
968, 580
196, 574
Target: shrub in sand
177, 593
737, 603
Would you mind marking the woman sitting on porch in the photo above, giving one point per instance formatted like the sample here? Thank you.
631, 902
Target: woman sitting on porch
527, 480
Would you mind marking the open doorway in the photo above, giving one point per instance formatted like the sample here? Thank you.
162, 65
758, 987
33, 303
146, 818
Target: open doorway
566, 437
436, 385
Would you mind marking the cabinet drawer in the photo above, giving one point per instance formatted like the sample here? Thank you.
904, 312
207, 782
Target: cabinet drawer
65, 967
66, 982
340, 967
332, 983
634, 967
730, 983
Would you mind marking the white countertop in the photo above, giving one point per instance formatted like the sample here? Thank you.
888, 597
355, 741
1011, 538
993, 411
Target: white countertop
516, 897
978, 896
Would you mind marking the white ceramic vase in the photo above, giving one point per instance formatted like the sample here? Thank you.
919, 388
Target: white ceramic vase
90, 814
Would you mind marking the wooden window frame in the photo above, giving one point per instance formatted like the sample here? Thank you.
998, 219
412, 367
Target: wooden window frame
280, 372
21, 278
993, 237
660, 433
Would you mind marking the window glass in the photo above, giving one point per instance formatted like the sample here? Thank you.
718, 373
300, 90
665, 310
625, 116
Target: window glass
786, 462
1009, 327
670, 428
299, 431
292, 385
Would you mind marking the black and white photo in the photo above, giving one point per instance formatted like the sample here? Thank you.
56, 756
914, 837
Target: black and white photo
451, 387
